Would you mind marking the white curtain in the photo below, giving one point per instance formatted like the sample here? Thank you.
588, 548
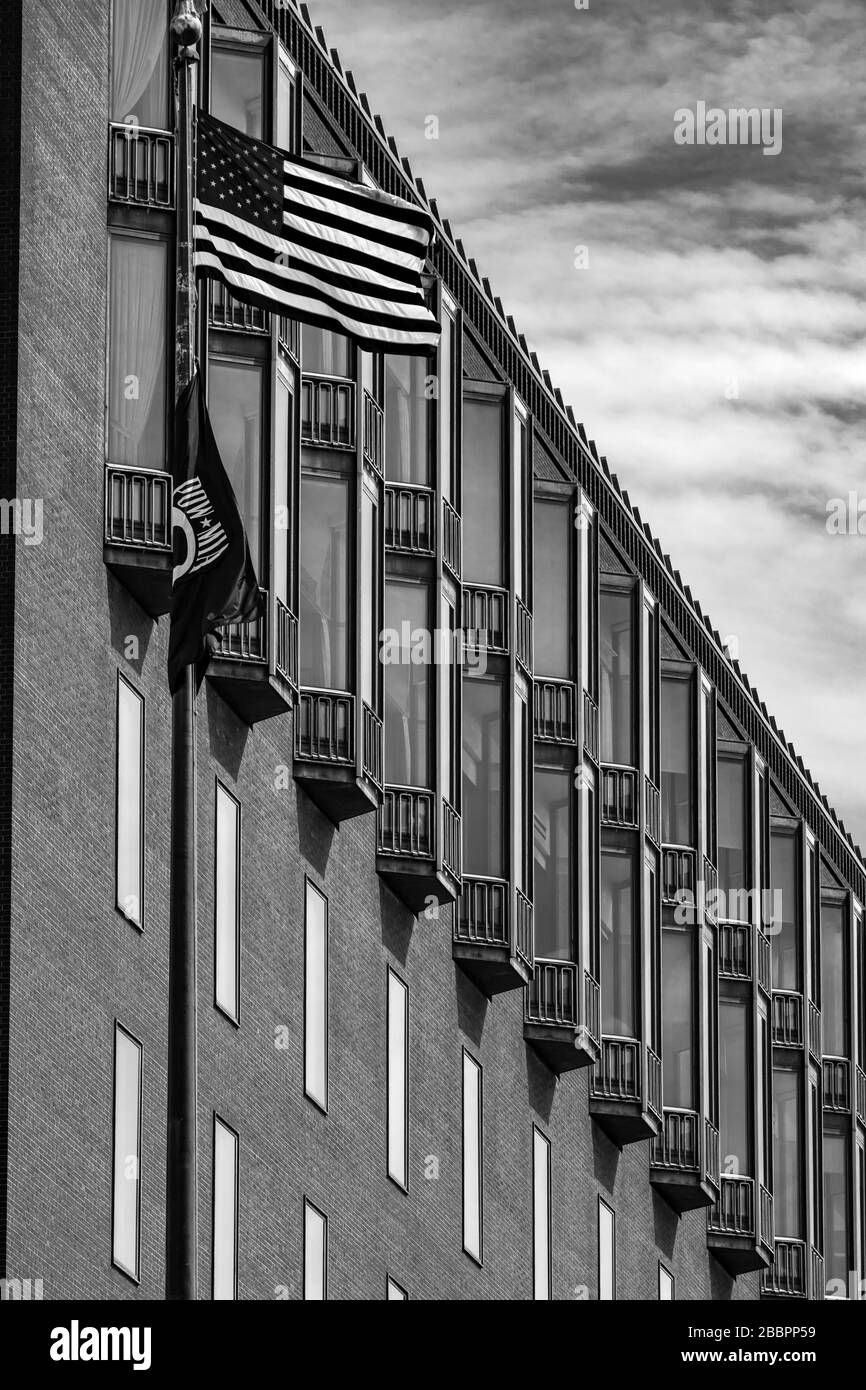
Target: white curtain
137, 352
139, 51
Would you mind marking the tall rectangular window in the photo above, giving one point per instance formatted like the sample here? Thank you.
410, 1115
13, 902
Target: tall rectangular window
227, 898
616, 654
787, 1153
407, 684
408, 421
834, 981
225, 1211
395, 1292
139, 63
483, 511
316, 996
520, 549
678, 1019
287, 98
666, 1285
733, 857
447, 360
618, 945
482, 777
238, 88
837, 1253
734, 1088
126, 1209
369, 598
552, 623
553, 848
283, 437
235, 403
325, 583
522, 783
398, 1080
786, 944
137, 336
315, 1253
676, 760
606, 1252
472, 1157
129, 842
540, 1214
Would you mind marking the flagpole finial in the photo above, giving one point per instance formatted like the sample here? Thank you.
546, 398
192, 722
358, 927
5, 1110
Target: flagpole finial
186, 27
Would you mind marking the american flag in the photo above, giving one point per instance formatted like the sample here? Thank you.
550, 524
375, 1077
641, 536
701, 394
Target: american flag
295, 240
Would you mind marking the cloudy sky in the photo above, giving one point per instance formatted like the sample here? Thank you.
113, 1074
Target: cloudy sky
712, 340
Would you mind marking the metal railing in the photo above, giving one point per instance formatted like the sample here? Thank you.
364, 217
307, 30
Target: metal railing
860, 1085
837, 1083
325, 726
711, 890
815, 1031
327, 412
590, 727
762, 943
372, 745
787, 1019
616, 1074
677, 1144
652, 810
374, 434
766, 1226
452, 841
226, 312
289, 337
711, 1153
787, 1274
485, 617
619, 805
410, 519
245, 641
523, 935
592, 1007
654, 1083
678, 875
734, 1213
286, 653
553, 703
523, 635
451, 538
816, 1275
551, 995
137, 507
482, 917
140, 166
406, 822
735, 950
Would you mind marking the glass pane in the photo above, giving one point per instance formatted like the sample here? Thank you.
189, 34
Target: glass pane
130, 721
678, 1019
316, 998
551, 634
235, 406
482, 492
787, 1154
471, 1156
618, 995
368, 597
733, 863
541, 1214
226, 902
285, 109
139, 62
785, 931
224, 1212
552, 893
834, 983
666, 1285
606, 1239
616, 708
397, 1091
136, 346
518, 540
324, 353
282, 458
237, 89
407, 685
734, 1066
836, 1237
450, 692
676, 753
127, 1150
482, 777
407, 421
315, 1253
395, 1292
446, 404
324, 631
518, 794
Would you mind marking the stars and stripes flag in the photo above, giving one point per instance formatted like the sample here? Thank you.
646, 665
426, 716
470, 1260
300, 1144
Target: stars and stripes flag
284, 234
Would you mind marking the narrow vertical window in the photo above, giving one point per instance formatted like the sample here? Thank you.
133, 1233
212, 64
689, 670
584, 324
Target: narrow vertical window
398, 1080
283, 436
787, 1153
834, 981
136, 353
483, 512
482, 777
286, 104
734, 1088
237, 88
616, 707
227, 902
540, 1214
786, 946
678, 1013
139, 63
316, 997
618, 946
472, 1158
836, 1232
606, 1252
325, 593
126, 1218
552, 624
666, 1285
129, 870
315, 1253
395, 1291
553, 851
408, 421
733, 859
676, 758
225, 1211
407, 685
236, 405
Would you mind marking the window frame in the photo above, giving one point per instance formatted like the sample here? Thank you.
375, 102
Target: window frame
619, 584
218, 1120
134, 1276
666, 1274
402, 1183
320, 1104
169, 105
228, 38
490, 394
121, 678
402, 1294
468, 1061
234, 1018
603, 1205
309, 1206
125, 223
540, 1139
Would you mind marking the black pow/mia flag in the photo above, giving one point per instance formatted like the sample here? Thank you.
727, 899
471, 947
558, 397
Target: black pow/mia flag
213, 581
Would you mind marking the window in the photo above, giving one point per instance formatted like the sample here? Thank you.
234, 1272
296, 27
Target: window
678, 1019
616, 710
540, 1214
836, 1230
834, 981
734, 1088
787, 1153
225, 1211
676, 756
733, 862
552, 884
407, 684
447, 359
398, 1080
287, 105
235, 403
707, 766
408, 421
606, 1252
649, 687
316, 996
521, 793
315, 1253
482, 777
126, 1208
237, 88
369, 598
551, 636
520, 548
324, 625
393, 1290
139, 63
129, 843
483, 513
786, 944
325, 353
227, 902
137, 336
666, 1285
618, 946
472, 1157
283, 437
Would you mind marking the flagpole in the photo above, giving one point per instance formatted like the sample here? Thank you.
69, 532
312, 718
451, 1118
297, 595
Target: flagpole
181, 1223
